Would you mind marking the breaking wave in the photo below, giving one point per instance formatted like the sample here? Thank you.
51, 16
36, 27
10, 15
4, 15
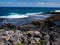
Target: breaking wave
57, 10
15, 15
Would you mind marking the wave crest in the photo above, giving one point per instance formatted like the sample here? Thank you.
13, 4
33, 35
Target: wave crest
57, 10
14, 15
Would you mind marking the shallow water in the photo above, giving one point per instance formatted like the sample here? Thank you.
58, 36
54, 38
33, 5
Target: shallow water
21, 21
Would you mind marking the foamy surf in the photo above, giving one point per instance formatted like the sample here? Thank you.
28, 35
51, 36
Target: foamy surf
57, 10
34, 13
14, 15
18, 19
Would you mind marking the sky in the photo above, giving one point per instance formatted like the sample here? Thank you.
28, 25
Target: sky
29, 3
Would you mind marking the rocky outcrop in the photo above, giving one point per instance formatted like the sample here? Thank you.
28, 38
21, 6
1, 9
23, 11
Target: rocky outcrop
54, 18
38, 32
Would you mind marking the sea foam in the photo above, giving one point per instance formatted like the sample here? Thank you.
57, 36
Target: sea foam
15, 15
57, 10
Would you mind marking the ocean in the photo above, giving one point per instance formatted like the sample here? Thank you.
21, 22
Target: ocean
23, 15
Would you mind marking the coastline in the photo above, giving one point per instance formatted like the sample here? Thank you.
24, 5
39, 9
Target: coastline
37, 32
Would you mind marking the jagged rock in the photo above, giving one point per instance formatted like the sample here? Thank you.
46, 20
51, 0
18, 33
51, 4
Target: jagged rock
38, 22
8, 25
55, 19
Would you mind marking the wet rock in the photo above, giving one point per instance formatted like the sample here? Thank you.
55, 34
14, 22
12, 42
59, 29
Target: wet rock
8, 25
38, 22
54, 18
1, 19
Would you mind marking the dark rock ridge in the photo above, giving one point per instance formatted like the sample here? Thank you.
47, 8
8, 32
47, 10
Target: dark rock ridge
56, 13
56, 18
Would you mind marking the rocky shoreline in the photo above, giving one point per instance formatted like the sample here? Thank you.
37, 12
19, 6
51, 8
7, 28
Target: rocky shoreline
38, 32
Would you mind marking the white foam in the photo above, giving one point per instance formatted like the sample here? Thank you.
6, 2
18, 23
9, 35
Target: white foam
14, 16
33, 13
57, 10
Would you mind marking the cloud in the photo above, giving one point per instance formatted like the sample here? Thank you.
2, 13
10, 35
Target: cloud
48, 4
43, 3
38, 4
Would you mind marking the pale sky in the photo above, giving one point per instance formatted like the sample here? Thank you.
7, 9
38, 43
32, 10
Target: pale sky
29, 3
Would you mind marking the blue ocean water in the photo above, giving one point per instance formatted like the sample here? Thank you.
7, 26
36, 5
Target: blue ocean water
23, 10
22, 15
